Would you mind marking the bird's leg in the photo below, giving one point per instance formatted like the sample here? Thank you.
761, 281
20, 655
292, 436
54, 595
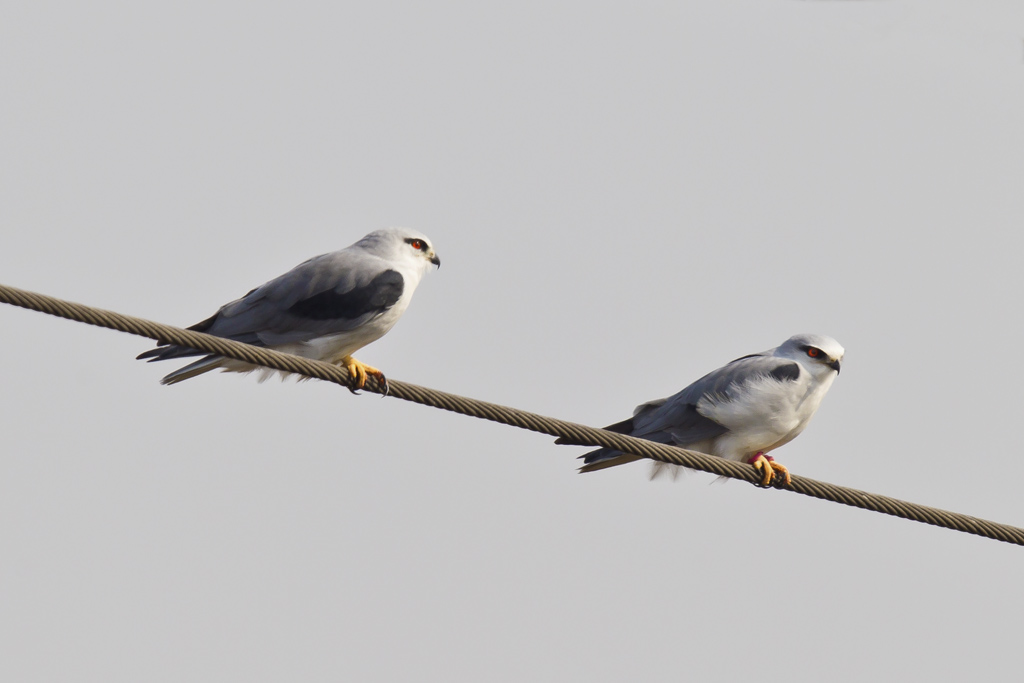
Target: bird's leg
766, 462
358, 372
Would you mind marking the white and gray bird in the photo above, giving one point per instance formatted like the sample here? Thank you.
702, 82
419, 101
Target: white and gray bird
326, 308
741, 411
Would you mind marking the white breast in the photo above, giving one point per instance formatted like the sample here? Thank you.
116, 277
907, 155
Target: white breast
764, 415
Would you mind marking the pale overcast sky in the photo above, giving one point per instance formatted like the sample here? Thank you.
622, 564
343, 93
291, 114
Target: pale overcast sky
625, 196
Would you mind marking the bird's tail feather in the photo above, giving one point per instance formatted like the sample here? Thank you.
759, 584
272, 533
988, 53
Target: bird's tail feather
168, 352
192, 369
603, 458
165, 351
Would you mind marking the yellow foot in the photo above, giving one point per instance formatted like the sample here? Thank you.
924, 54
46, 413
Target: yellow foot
770, 467
358, 373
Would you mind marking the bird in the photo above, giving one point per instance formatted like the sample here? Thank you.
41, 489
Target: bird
741, 411
326, 308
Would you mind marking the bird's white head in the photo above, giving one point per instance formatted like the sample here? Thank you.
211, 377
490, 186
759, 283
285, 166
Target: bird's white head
820, 355
401, 245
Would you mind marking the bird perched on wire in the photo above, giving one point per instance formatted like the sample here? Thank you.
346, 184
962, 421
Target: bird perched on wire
741, 411
326, 308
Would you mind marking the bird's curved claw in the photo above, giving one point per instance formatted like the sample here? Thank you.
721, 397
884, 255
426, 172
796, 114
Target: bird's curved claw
768, 479
358, 372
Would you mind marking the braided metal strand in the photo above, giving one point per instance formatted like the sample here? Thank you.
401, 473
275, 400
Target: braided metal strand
576, 433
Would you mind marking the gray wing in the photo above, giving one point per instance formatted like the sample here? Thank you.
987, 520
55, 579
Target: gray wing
328, 294
325, 295
676, 420
678, 413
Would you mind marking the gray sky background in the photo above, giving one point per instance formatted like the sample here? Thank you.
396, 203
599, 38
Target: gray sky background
625, 196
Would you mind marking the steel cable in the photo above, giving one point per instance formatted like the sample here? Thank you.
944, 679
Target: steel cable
571, 432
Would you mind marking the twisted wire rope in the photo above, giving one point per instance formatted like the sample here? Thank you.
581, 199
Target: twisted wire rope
576, 434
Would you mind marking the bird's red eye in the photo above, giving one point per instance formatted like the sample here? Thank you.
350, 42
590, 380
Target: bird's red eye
813, 352
416, 244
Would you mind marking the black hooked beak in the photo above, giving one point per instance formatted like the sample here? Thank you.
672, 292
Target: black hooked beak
436, 260
835, 366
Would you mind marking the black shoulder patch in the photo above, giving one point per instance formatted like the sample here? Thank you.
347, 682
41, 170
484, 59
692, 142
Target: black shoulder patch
786, 373
380, 294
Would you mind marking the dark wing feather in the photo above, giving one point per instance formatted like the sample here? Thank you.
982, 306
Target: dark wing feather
380, 294
786, 373
679, 423
634, 426
325, 295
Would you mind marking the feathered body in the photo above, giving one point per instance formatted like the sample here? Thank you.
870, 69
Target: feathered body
752, 405
325, 308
